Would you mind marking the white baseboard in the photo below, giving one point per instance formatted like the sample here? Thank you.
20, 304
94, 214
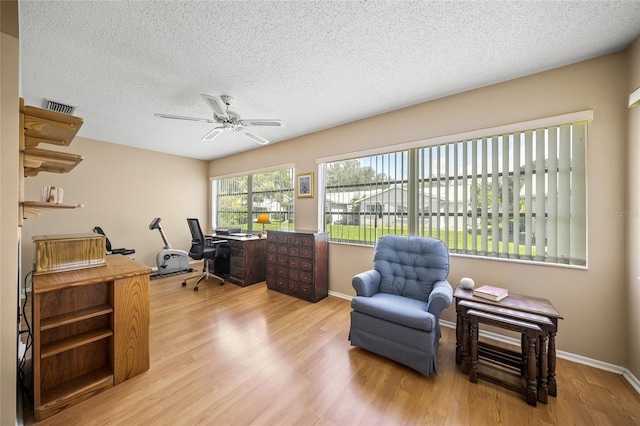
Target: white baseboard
340, 295
633, 381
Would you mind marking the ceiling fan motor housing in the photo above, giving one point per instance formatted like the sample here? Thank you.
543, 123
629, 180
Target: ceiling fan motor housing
228, 100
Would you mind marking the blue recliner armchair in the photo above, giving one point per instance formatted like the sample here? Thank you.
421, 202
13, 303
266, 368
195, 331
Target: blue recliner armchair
397, 308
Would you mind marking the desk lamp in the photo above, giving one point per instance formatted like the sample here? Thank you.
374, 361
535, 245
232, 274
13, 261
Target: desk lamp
263, 218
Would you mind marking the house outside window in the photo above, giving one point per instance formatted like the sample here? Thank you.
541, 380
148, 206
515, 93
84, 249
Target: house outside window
238, 200
518, 194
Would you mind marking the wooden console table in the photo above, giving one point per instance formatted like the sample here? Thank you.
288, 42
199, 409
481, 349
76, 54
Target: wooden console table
517, 307
90, 332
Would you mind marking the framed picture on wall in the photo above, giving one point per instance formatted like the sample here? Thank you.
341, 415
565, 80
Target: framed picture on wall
304, 186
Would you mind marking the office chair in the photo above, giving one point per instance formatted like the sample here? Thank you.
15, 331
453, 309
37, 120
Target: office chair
216, 252
110, 250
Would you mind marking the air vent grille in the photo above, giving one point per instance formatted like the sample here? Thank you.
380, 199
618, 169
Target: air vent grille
58, 107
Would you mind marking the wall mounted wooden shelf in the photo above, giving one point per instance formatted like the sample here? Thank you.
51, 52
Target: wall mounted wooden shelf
34, 208
41, 160
44, 126
53, 128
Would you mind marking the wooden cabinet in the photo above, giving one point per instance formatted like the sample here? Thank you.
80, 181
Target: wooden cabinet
90, 332
248, 259
297, 264
53, 128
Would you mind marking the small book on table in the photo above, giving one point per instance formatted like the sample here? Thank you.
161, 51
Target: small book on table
490, 292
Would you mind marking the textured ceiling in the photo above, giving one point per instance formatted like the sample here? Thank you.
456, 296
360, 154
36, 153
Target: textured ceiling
314, 65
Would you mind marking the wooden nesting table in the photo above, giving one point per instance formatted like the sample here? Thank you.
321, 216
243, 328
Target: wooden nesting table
534, 318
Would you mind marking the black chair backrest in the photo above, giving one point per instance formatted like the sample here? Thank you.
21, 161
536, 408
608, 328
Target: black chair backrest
99, 230
197, 239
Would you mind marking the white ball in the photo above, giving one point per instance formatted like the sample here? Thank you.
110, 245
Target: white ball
467, 283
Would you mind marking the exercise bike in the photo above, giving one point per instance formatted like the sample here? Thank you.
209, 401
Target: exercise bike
169, 260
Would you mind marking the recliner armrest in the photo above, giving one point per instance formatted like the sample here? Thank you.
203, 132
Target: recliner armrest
440, 298
366, 283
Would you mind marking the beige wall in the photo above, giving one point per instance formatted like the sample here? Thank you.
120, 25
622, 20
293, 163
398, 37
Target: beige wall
9, 231
591, 301
633, 221
122, 190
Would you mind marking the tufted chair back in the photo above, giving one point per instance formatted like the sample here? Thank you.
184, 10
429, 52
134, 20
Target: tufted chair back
409, 266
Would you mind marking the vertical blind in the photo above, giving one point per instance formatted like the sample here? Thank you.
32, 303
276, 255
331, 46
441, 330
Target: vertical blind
514, 195
519, 195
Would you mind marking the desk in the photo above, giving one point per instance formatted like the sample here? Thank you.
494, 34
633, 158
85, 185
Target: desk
248, 258
532, 309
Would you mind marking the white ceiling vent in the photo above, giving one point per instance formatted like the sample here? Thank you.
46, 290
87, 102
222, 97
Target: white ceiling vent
57, 107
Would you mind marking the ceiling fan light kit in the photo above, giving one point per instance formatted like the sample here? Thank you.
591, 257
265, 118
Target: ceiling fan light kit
256, 138
212, 134
227, 120
256, 123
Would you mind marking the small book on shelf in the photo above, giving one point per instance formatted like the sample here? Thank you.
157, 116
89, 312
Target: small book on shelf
490, 292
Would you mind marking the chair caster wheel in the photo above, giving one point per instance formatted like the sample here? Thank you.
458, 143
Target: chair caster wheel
195, 289
184, 284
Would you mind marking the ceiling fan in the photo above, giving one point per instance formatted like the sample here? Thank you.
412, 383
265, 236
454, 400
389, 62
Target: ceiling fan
228, 120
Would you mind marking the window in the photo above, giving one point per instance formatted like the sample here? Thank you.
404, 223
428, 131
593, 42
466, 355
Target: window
238, 200
517, 194
366, 196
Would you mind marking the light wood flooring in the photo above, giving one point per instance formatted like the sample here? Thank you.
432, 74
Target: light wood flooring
228, 355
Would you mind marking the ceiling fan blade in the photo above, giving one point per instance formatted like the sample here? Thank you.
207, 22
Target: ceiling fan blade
261, 122
180, 117
216, 104
213, 134
256, 138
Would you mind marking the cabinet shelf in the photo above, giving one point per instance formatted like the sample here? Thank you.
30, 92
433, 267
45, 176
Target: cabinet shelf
72, 391
71, 317
75, 341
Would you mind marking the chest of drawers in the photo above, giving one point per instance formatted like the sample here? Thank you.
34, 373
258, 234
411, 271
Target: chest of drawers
297, 264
